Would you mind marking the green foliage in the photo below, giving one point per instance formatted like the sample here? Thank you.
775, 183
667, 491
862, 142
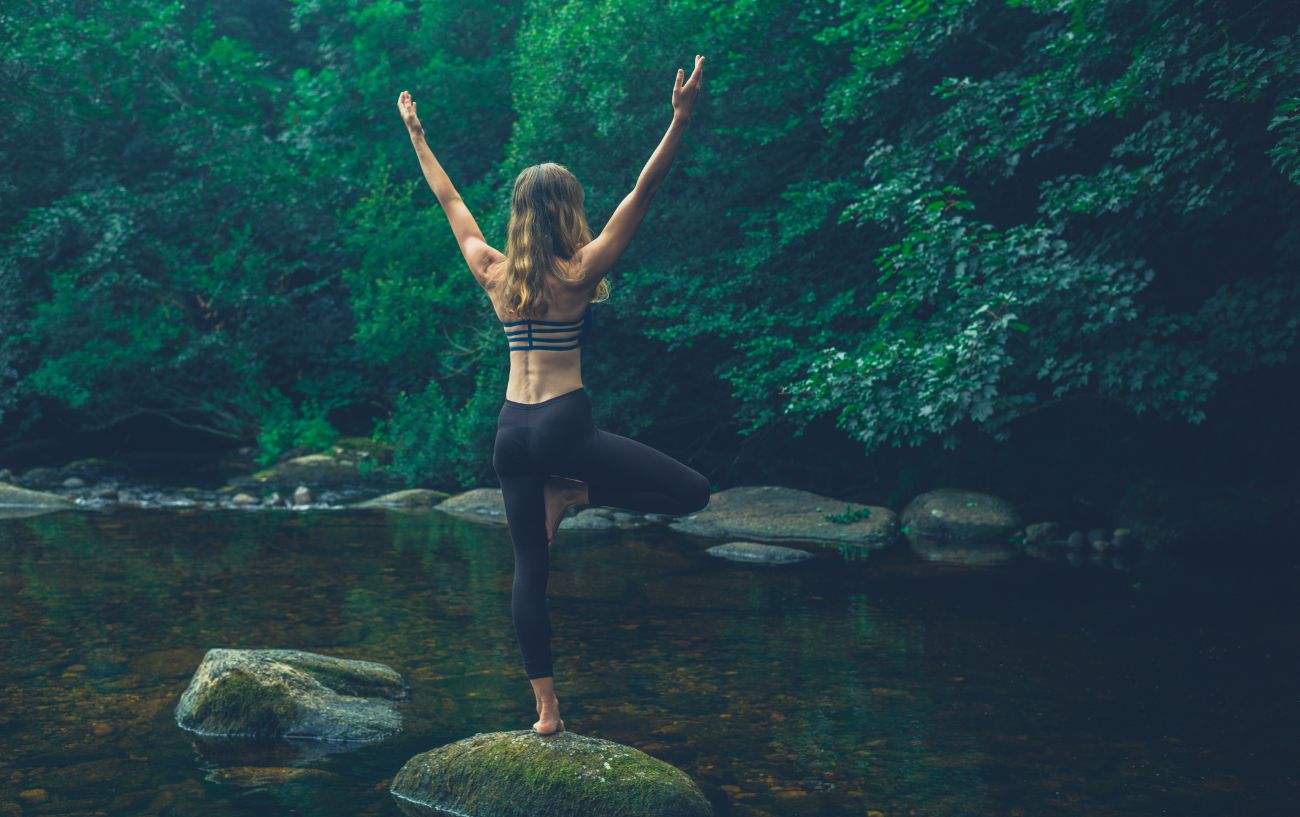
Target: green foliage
286, 426
921, 220
850, 514
438, 441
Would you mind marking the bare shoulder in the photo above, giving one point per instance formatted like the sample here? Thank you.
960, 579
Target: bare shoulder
568, 285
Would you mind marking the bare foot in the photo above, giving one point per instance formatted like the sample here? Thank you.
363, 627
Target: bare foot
548, 722
561, 493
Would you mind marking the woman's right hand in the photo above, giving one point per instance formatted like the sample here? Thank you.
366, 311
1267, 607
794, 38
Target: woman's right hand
684, 94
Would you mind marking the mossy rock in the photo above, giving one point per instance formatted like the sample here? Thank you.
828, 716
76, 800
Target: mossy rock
961, 526
523, 774
318, 471
958, 515
410, 498
363, 448
477, 504
12, 496
773, 513
291, 693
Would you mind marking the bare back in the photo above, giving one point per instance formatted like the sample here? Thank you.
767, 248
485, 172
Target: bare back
540, 374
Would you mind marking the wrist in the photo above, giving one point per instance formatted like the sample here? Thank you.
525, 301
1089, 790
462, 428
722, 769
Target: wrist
415, 133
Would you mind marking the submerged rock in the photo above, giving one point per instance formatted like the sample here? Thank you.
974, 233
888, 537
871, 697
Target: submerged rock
257, 776
11, 496
522, 774
774, 513
291, 693
411, 498
758, 553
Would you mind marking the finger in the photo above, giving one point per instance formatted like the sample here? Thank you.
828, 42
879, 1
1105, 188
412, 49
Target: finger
699, 66
677, 81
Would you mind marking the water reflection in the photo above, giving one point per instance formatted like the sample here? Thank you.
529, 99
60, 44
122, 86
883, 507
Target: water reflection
817, 688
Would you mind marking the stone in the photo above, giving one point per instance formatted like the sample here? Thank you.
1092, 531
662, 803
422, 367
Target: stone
302, 495
957, 514
1042, 534
522, 774
258, 776
94, 468
42, 477
589, 519
478, 504
758, 553
410, 498
291, 693
243, 499
319, 471
777, 514
961, 526
12, 496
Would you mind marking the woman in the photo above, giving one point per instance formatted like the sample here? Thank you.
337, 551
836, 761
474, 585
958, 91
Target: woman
548, 455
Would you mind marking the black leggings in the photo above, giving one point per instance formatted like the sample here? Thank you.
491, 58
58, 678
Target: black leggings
557, 437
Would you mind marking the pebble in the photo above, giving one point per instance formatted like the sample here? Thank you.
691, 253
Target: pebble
101, 729
34, 796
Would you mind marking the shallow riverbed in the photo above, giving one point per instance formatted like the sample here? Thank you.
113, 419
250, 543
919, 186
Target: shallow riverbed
820, 688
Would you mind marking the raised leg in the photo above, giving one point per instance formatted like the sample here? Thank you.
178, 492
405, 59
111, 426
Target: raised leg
623, 473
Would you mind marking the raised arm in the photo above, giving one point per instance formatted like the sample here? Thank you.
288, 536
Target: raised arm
598, 257
478, 254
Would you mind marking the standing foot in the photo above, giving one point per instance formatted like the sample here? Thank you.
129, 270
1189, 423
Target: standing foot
561, 493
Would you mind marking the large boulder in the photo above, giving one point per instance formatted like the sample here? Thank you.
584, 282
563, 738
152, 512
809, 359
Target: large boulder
522, 774
776, 514
411, 498
291, 693
319, 471
955, 525
11, 496
478, 504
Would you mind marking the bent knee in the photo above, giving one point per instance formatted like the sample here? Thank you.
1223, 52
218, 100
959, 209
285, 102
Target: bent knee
698, 493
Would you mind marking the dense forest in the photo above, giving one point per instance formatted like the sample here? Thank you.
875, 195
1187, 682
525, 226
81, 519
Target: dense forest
1025, 243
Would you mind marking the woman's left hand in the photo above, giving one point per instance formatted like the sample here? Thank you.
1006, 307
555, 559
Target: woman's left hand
406, 107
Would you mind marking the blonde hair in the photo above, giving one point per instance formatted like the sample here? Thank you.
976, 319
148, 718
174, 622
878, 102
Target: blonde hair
546, 222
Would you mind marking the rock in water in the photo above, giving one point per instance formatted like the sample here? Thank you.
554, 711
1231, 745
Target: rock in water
776, 514
291, 693
12, 495
758, 553
411, 498
956, 525
477, 504
523, 774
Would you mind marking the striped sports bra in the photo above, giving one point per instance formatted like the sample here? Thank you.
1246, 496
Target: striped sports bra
553, 335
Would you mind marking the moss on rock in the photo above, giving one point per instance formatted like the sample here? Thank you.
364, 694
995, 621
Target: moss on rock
291, 693
518, 774
238, 704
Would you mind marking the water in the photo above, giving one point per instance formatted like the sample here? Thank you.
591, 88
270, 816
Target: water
813, 689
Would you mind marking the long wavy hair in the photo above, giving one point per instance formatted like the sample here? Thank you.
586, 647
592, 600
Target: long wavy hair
546, 222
